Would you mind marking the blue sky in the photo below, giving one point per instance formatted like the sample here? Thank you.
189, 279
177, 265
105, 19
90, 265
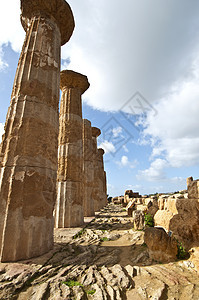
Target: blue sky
142, 62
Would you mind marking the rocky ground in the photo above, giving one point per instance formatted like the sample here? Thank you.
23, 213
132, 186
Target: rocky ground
105, 260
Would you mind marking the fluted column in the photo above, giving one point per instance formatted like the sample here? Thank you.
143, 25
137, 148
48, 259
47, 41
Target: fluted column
105, 189
96, 191
101, 178
28, 153
88, 169
69, 205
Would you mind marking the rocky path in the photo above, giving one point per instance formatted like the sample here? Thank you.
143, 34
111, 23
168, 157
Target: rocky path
105, 260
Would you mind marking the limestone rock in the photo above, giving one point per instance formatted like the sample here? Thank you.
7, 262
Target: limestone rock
189, 180
131, 206
181, 216
138, 219
193, 190
161, 247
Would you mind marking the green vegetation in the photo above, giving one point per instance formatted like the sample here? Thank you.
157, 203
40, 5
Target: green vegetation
91, 292
72, 283
182, 253
148, 218
104, 239
79, 234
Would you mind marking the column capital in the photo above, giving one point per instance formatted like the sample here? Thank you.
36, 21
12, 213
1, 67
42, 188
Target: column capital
101, 151
71, 79
58, 9
96, 132
86, 122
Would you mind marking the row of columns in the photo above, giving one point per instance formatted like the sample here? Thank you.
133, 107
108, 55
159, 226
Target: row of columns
81, 186
29, 181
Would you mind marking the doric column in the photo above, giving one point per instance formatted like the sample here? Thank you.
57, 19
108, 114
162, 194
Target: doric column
28, 153
101, 179
69, 205
105, 189
95, 194
88, 169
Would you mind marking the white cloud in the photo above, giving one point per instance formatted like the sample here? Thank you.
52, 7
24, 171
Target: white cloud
108, 147
179, 180
125, 148
124, 162
3, 64
117, 131
134, 187
174, 130
138, 53
155, 172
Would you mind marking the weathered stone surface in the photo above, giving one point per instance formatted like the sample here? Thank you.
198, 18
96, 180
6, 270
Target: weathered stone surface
100, 179
107, 269
28, 153
127, 195
69, 204
138, 219
189, 180
59, 10
88, 169
181, 216
161, 247
97, 184
193, 189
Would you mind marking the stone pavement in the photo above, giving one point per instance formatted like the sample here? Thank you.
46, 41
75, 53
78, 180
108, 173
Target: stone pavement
106, 259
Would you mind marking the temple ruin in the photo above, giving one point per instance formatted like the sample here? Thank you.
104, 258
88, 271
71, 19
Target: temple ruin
52, 175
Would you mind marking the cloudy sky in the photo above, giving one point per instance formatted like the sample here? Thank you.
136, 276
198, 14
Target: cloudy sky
142, 61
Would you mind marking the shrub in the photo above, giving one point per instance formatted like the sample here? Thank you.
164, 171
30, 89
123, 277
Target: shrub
148, 219
104, 239
182, 253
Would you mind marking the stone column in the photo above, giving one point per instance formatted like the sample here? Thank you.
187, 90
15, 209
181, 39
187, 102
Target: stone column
28, 153
69, 205
95, 194
88, 169
101, 179
105, 189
